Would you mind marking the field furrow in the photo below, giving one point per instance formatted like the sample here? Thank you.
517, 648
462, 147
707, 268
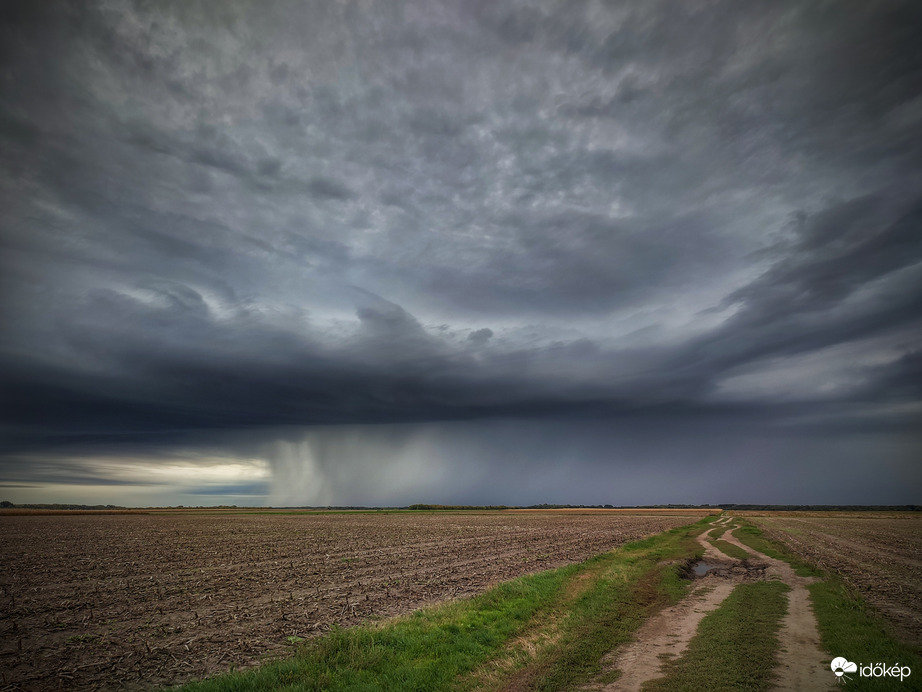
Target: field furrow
130, 601
878, 556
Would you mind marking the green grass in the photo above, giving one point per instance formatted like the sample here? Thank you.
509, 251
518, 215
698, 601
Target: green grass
753, 537
717, 532
598, 604
848, 626
730, 550
425, 651
633, 583
726, 547
734, 648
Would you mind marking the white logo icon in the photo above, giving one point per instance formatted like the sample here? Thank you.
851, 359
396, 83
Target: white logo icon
840, 666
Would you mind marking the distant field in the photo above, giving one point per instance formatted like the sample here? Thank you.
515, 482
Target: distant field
90, 600
878, 554
224, 511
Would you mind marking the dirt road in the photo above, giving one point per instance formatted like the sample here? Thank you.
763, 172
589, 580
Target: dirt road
877, 555
802, 665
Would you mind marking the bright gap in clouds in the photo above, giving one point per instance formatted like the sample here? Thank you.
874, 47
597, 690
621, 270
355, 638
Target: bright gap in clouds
139, 482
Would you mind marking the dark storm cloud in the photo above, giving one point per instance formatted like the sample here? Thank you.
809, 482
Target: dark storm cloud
244, 216
837, 252
851, 271
245, 490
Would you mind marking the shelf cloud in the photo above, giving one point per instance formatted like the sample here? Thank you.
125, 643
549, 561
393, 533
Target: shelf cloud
461, 252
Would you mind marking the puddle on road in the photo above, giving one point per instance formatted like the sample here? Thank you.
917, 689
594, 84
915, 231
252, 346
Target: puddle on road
702, 568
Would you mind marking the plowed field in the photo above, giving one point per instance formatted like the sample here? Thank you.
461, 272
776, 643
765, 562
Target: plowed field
133, 601
880, 556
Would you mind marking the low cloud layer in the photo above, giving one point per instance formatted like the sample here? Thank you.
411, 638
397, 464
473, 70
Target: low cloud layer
253, 233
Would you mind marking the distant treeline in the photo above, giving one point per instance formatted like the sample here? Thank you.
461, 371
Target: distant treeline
728, 507
460, 507
9, 505
547, 506
550, 506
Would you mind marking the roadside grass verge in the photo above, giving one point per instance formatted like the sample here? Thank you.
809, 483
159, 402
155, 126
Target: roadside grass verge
422, 651
598, 604
734, 647
850, 628
847, 624
634, 582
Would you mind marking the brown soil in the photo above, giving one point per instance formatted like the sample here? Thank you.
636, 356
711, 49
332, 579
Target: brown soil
802, 663
133, 601
667, 633
877, 555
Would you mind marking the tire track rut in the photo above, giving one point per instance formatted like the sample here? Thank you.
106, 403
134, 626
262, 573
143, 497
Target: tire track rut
802, 664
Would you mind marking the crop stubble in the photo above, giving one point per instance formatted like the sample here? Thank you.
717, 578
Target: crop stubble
131, 601
880, 556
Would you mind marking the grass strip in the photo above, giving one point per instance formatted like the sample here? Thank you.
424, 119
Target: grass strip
438, 648
735, 646
717, 532
847, 624
753, 537
731, 550
848, 627
424, 651
638, 579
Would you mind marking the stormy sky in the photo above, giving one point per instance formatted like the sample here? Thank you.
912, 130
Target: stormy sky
334, 253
